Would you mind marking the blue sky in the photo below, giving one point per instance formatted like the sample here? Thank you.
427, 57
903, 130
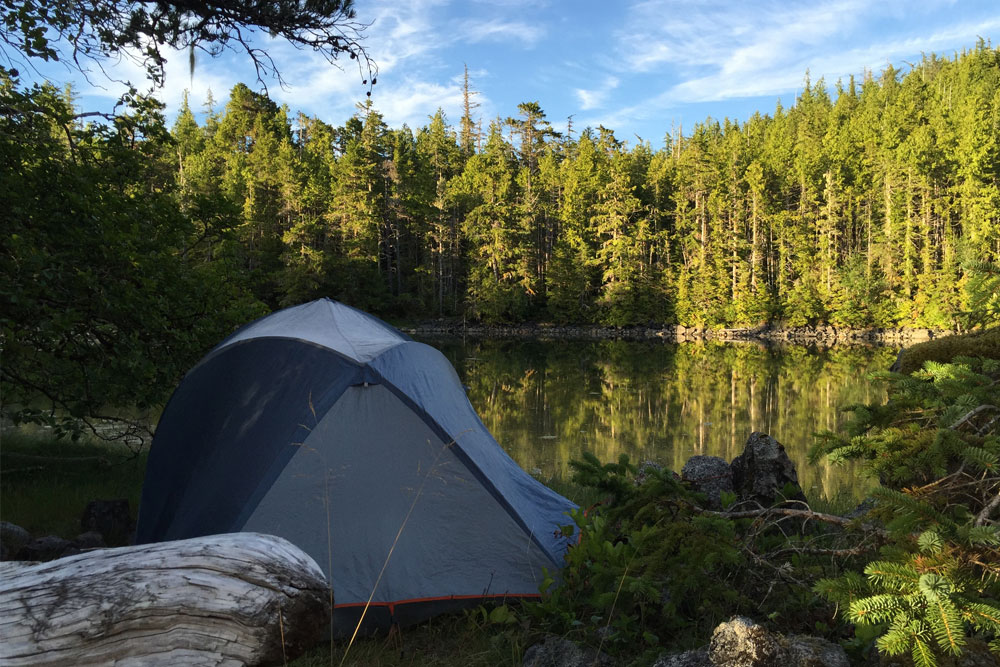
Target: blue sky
639, 68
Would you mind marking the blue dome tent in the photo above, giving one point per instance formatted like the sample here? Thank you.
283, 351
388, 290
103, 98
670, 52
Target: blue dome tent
326, 426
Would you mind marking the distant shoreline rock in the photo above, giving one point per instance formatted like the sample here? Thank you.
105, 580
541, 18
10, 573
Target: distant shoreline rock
819, 335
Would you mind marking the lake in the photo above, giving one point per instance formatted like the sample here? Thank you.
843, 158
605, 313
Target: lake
547, 402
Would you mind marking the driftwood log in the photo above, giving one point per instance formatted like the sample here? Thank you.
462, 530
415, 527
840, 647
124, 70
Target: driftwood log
238, 599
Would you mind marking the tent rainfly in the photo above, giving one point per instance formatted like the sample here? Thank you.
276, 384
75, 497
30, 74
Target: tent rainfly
326, 426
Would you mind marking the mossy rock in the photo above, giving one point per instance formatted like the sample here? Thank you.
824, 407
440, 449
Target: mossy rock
984, 343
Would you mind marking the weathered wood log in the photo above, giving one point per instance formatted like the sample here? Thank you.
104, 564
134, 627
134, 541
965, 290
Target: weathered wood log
238, 599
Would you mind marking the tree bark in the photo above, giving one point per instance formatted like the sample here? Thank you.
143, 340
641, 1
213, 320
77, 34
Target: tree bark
238, 599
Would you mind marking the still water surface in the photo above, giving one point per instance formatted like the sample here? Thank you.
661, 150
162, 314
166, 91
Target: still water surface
547, 402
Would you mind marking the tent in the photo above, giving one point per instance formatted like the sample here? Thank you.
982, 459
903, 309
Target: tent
326, 426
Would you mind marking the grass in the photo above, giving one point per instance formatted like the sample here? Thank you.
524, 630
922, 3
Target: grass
46, 483
465, 639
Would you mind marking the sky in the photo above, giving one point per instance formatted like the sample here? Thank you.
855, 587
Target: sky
641, 68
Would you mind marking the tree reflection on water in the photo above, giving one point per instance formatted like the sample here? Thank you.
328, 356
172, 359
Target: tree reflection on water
547, 402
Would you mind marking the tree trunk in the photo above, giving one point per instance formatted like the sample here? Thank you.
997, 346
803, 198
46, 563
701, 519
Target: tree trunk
238, 599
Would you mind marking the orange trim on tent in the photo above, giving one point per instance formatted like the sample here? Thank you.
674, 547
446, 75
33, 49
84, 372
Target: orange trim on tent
441, 598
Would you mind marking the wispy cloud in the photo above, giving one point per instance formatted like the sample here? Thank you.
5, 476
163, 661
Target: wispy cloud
595, 97
729, 36
745, 75
633, 66
475, 31
414, 101
714, 52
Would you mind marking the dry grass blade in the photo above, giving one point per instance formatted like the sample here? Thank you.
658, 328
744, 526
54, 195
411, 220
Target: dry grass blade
392, 548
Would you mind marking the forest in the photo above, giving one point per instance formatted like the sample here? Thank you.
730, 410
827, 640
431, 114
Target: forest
133, 245
860, 208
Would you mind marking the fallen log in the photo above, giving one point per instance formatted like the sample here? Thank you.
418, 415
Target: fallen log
237, 599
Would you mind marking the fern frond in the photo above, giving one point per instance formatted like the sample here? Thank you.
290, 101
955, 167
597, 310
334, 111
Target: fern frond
930, 542
984, 535
875, 609
981, 459
983, 617
946, 624
896, 576
899, 637
922, 654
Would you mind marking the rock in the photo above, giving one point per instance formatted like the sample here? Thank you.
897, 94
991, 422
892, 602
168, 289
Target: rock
89, 540
742, 643
644, 470
12, 539
805, 651
696, 658
111, 518
763, 470
559, 652
863, 508
710, 475
897, 365
47, 548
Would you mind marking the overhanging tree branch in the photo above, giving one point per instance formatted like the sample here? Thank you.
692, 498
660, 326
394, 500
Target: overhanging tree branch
98, 31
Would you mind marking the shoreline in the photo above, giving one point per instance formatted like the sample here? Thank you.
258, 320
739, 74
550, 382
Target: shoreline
823, 335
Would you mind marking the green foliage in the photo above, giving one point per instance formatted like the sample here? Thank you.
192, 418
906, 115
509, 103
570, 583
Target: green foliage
984, 293
936, 447
650, 569
99, 307
804, 216
981, 343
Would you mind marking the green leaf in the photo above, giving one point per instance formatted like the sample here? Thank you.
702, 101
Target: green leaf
930, 542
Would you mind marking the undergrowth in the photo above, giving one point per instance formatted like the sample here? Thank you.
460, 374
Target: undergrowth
935, 446
46, 482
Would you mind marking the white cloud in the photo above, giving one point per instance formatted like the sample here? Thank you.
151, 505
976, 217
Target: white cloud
594, 98
473, 31
730, 36
752, 77
413, 101
714, 52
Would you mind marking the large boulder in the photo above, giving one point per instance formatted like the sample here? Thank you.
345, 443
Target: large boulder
763, 472
111, 518
12, 539
696, 658
49, 547
805, 651
89, 540
740, 642
560, 652
709, 475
